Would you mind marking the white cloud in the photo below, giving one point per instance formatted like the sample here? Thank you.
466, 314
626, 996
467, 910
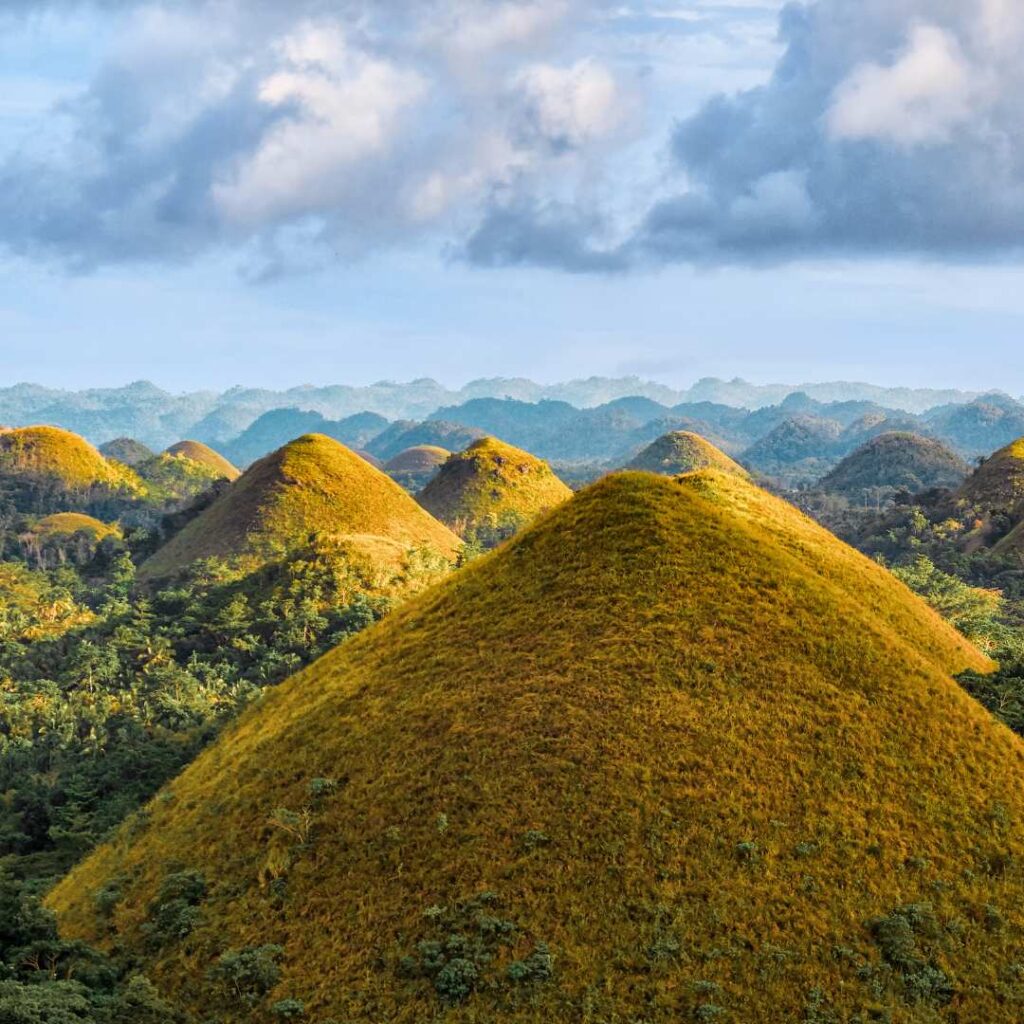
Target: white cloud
568, 107
929, 90
342, 108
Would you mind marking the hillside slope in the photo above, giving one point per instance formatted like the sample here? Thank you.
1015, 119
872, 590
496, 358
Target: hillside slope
491, 487
997, 485
683, 452
46, 469
312, 485
675, 750
897, 461
204, 455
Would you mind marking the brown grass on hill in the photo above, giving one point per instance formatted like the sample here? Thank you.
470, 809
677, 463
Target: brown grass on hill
490, 483
684, 452
62, 459
205, 456
702, 760
313, 485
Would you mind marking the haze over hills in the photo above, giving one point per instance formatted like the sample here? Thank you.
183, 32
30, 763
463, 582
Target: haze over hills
158, 418
669, 733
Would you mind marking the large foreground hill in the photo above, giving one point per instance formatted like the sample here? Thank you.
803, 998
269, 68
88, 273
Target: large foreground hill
673, 754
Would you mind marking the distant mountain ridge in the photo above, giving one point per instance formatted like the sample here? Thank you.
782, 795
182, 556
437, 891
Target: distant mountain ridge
156, 417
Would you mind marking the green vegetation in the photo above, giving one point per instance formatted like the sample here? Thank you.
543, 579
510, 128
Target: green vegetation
489, 491
895, 462
313, 485
684, 452
44, 470
703, 761
126, 450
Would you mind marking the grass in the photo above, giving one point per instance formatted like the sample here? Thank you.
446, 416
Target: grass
675, 753
203, 454
67, 524
58, 458
998, 483
313, 485
684, 452
490, 483
416, 467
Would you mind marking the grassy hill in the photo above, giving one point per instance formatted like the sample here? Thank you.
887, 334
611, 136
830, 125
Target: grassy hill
180, 474
491, 487
312, 485
46, 469
67, 524
998, 483
673, 752
683, 452
416, 467
897, 461
204, 455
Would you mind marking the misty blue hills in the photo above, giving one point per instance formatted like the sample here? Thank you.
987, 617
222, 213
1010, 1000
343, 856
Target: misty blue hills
793, 433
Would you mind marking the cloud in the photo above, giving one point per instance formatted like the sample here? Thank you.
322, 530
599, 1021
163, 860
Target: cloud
886, 128
329, 127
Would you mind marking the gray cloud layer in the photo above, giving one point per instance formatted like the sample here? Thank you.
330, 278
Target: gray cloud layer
887, 127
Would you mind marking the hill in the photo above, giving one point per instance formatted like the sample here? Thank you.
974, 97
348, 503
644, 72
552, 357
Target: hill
126, 450
204, 455
997, 485
683, 452
674, 748
313, 485
799, 449
65, 537
279, 426
46, 469
490, 490
414, 468
435, 433
896, 461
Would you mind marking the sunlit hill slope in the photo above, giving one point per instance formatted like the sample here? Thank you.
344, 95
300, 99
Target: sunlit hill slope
672, 754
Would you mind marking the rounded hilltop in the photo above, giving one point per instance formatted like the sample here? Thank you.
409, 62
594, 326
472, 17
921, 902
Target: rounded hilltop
204, 455
44, 468
415, 467
67, 524
683, 452
491, 489
312, 486
675, 750
897, 461
126, 450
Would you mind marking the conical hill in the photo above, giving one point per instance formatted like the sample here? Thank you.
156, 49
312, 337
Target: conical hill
673, 754
683, 452
491, 486
313, 485
204, 455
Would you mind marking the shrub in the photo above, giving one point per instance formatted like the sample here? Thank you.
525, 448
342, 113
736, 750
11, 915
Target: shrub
250, 972
175, 910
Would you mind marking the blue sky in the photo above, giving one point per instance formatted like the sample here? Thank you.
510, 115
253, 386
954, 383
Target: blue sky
215, 192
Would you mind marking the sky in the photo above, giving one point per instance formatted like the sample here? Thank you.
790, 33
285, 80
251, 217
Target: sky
215, 192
